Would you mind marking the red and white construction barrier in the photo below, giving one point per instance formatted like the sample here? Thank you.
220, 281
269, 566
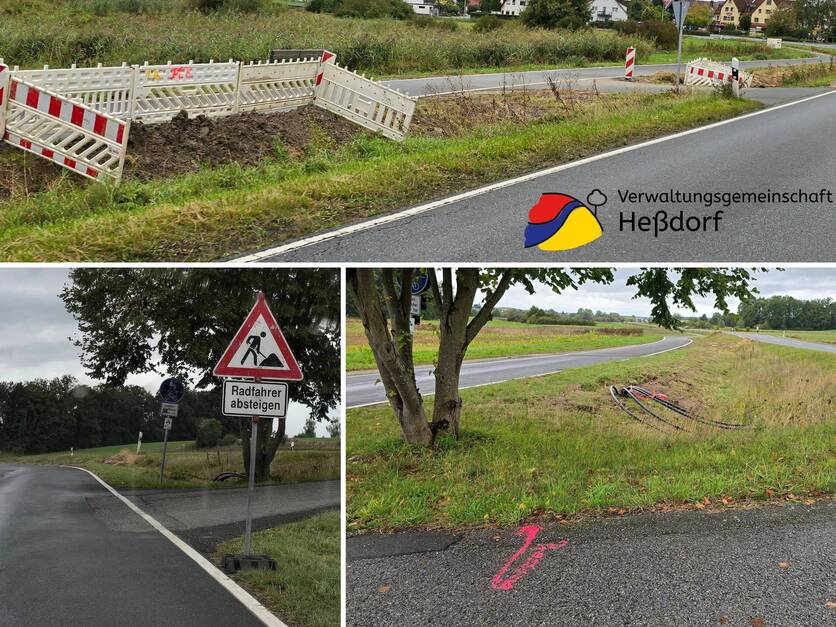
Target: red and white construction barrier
79, 117
4, 90
67, 132
706, 72
629, 62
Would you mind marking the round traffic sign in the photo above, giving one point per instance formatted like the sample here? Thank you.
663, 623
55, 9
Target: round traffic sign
172, 390
420, 282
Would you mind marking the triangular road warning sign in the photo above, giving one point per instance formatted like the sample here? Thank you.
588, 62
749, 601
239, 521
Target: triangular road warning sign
259, 349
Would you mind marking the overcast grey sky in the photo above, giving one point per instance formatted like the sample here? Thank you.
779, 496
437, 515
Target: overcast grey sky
803, 283
35, 332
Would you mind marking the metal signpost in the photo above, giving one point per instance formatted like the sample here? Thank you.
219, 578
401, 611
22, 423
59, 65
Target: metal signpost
680, 10
171, 392
258, 351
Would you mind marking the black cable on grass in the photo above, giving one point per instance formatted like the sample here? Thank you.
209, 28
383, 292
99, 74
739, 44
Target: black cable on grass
684, 412
615, 394
634, 391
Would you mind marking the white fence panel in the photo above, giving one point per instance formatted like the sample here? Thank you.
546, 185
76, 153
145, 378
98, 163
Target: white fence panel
162, 91
277, 86
5, 75
105, 89
369, 104
67, 132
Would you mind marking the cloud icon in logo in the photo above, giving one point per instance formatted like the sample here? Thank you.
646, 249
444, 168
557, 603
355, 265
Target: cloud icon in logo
561, 222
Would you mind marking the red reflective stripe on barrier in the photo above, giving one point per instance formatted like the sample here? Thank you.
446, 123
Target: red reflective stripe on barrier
12, 91
710, 73
54, 107
32, 99
92, 173
120, 133
699, 71
100, 125
1, 95
25, 143
70, 163
46, 152
77, 116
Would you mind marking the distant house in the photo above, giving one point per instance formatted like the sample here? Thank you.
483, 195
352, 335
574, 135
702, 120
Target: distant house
762, 10
730, 12
423, 7
608, 10
513, 7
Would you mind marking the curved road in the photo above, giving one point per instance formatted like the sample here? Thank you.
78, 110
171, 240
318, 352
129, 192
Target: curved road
72, 554
366, 389
437, 85
786, 341
786, 148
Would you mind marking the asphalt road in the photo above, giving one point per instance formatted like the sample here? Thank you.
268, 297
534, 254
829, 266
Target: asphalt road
788, 341
774, 563
435, 85
65, 561
365, 388
782, 149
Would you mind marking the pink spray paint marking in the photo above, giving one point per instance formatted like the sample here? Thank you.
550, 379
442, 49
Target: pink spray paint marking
529, 532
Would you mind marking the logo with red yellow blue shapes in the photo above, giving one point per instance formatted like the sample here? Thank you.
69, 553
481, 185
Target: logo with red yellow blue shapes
562, 222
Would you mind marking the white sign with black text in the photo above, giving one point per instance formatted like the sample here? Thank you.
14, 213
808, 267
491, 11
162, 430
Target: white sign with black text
248, 398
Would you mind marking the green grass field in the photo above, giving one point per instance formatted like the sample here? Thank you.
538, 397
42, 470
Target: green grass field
501, 338
305, 589
214, 213
186, 467
557, 446
826, 337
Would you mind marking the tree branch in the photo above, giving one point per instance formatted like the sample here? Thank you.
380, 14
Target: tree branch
485, 313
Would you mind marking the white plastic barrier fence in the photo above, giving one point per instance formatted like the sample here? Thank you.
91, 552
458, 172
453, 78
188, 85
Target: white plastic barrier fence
5, 74
105, 89
705, 72
369, 104
162, 91
277, 86
102, 101
65, 131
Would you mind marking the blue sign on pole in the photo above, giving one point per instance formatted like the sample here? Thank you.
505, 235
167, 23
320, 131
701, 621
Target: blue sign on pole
172, 390
420, 282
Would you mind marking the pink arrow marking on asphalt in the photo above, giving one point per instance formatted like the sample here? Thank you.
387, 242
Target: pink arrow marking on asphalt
529, 532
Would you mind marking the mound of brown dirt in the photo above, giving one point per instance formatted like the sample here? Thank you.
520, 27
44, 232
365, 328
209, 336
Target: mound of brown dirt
183, 144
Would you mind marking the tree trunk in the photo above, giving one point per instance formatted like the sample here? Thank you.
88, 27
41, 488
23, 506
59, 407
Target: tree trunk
447, 406
267, 445
392, 352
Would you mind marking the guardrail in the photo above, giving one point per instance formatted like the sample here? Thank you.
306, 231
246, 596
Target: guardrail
157, 93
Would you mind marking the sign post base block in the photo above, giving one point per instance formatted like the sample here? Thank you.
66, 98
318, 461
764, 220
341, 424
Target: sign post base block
233, 563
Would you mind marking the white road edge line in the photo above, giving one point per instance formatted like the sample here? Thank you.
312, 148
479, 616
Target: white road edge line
534, 376
414, 211
256, 608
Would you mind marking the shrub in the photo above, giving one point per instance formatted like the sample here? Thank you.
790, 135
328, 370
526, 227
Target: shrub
487, 23
241, 6
663, 33
208, 433
425, 21
229, 439
370, 9
571, 14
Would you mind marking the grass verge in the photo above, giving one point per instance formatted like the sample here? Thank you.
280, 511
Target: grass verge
189, 468
504, 339
825, 337
304, 591
558, 446
215, 213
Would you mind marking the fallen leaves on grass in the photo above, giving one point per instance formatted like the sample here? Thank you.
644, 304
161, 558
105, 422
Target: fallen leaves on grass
783, 565
831, 605
384, 588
